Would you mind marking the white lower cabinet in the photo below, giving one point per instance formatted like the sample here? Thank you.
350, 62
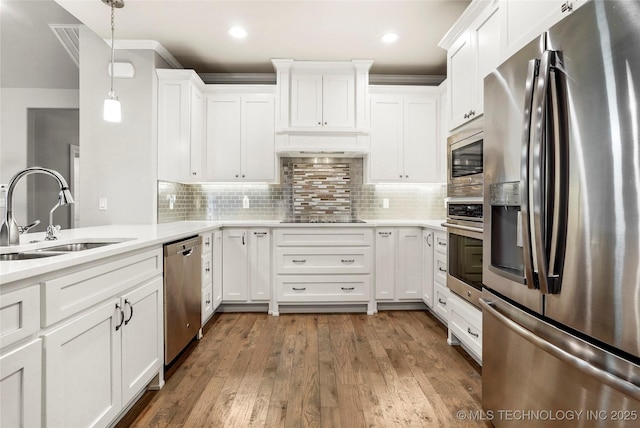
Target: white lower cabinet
96, 363
465, 326
440, 290
20, 386
216, 285
323, 266
206, 278
399, 264
246, 265
427, 267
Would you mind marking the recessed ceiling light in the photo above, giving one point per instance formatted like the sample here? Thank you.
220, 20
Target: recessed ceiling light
389, 37
237, 32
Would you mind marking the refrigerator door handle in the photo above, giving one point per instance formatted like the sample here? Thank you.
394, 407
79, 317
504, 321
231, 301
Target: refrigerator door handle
538, 171
565, 356
525, 192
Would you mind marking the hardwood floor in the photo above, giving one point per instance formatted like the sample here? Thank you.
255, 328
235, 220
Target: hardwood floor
393, 369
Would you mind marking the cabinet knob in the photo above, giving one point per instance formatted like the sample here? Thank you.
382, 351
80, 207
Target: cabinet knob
406, 176
320, 123
325, 123
236, 175
472, 113
400, 175
242, 175
466, 115
194, 173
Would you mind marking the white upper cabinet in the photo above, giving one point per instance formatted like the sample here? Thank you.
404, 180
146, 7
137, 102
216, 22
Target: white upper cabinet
473, 54
240, 137
315, 96
180, 125
404, 135
526, 19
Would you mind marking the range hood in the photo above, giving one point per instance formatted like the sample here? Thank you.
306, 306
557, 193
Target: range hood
297, 152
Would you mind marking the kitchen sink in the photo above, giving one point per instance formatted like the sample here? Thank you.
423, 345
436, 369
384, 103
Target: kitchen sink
26, 256
77, 246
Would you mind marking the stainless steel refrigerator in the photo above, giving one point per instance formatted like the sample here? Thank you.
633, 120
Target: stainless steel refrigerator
561, 244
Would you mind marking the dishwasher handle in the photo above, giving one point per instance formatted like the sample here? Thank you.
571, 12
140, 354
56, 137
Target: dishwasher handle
183, 247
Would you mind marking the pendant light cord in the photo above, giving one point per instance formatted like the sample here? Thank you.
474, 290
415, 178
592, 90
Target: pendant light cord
111, 93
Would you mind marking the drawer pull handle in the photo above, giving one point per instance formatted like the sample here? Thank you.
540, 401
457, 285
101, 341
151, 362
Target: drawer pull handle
347, 288
299, 288
208, 302
442, 270
384, 234
472, 333
260, 234
299, 261
119, 309
443, 303
347, 260
442, 243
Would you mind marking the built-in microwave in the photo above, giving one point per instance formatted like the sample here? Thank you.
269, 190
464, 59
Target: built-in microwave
465, 162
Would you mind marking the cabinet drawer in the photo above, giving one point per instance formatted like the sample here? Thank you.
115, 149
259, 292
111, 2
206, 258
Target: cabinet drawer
75, 292
207, 269
207, 242
465, 322
323, 288
19, 314
328, 260
441, 243
441, 301
323, 236
440, 269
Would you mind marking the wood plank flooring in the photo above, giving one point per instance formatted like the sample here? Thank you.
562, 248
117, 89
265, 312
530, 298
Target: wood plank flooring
393, 369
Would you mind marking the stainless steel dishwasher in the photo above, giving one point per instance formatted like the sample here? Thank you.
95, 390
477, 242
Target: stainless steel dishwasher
182, 294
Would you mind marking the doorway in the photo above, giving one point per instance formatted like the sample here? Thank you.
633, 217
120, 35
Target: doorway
53, 140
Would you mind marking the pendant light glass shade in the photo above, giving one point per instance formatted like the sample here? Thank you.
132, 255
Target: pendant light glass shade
112, 111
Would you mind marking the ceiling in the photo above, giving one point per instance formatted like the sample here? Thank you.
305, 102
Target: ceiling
195, 32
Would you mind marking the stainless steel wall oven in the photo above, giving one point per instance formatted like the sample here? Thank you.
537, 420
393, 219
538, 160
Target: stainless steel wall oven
464, 264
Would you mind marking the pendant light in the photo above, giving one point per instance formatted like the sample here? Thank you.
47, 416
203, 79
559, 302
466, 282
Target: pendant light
112, 111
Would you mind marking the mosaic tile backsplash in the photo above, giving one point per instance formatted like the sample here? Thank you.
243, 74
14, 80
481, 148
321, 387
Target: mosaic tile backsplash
278, 201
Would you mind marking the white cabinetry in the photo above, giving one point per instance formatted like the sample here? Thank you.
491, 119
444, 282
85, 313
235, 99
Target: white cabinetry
180, 125
323, 100
246, 265
441, 292
97, 360
474, 53
404, 135
465, 326
207, 277
240, 137
20, 385
523, 20
217, 269
427, 267
323, 266
399, 264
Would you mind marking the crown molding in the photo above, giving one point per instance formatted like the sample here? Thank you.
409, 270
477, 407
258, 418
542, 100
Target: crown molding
410, 79
132, 44
472, 11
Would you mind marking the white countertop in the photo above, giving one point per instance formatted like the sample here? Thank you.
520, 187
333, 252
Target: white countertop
135, 237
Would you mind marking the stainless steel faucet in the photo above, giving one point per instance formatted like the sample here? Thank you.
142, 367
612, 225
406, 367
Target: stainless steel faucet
9, 230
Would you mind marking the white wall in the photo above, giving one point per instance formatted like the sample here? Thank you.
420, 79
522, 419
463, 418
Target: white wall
14, 103
117, 160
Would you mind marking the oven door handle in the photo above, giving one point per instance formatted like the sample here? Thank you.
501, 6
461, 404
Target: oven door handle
458, 226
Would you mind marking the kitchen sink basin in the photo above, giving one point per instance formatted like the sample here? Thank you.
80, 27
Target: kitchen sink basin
26, 256
77, 246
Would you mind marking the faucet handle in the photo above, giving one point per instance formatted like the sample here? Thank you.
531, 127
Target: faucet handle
25, 229
52, 232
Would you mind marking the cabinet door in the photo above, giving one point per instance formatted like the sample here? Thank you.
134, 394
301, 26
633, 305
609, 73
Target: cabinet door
196, 134
486, 38
409, 273
462, 80
427, 268
258, 138
260, 264
142, 337
174, 127
207, 303
386, 136
306, 100
385, 263
420, 140
235, 285
83, 369
338, 101
223, 138
217, 269
20, 386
